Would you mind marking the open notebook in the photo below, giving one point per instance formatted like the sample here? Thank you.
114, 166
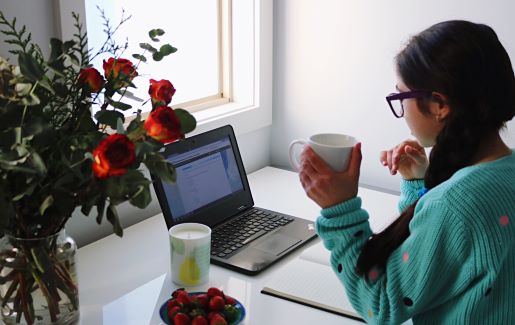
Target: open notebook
309, 280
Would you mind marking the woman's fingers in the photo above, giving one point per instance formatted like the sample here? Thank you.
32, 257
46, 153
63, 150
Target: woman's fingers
415, 154
382, 158
318, 164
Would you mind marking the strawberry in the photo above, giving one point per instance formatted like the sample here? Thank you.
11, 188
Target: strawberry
183, 298
213, 292
199, 320
216, 303
173, 311
171, 303
230, 300
212, 314
176, 292
201, 300
218, 320
181, 319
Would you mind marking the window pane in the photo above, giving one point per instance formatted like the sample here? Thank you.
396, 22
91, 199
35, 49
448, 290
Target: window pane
190, 26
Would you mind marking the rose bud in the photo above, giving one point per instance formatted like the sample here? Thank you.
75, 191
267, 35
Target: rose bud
120, 70
92, 79
163, 125
112, 156
161, 91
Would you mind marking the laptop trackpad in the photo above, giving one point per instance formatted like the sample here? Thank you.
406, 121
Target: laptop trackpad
277, 244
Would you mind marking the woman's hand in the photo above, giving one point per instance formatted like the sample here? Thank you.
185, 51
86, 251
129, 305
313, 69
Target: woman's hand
325, 186
408, 158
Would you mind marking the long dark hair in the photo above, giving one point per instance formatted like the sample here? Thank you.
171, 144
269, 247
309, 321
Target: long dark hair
467, 63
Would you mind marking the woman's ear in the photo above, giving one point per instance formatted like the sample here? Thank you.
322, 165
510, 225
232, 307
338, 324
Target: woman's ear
441, 109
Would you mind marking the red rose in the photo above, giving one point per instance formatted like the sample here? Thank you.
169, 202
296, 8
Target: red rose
91, 78
112, 156
120, 70
161, 91
163, 125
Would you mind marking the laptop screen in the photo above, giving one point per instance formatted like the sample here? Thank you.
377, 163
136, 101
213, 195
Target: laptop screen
205, 176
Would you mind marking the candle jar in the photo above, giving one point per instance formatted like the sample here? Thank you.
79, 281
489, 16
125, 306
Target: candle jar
190, 253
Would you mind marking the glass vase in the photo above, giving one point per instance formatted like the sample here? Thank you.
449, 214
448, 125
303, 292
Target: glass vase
38, 281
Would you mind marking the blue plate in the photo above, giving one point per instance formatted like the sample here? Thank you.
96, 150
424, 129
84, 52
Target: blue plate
241, 311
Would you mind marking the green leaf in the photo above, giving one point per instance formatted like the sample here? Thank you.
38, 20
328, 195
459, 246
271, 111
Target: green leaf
139, 57
29, 67
100, 210
167, 49
141, 198
22, 89
114, 219
56, 46
188, 121
119, 127
157, 56
86, 123
48, 86
38, 163
73, 58
148, 47
47, 202
86, 208
145, 147
120, 105
68, 45
153, 33
109, 118
134, 124
129, 94
161, 167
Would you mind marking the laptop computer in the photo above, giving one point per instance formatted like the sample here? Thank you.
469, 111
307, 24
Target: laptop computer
212, 189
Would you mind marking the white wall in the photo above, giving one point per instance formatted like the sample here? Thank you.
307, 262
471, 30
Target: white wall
333, 67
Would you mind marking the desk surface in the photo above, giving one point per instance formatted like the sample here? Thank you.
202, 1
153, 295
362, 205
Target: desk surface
125, 280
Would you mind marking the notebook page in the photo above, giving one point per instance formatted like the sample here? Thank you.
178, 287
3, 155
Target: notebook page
312, 284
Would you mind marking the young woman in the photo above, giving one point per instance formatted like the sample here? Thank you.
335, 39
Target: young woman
449, 258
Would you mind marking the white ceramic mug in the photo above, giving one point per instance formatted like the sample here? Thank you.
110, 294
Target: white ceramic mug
335, 149
190, 253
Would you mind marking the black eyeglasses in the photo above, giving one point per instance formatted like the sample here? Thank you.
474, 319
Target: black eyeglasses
395, 100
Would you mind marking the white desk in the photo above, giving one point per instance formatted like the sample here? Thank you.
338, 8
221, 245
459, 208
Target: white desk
124, 281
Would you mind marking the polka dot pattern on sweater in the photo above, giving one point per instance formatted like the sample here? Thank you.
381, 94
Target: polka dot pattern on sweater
405, 257
503, 220
373, 274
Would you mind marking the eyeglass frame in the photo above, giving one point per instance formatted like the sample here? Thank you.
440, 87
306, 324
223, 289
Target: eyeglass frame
405, 95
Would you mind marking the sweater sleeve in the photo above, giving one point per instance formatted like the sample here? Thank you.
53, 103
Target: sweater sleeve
409, 192
432, 266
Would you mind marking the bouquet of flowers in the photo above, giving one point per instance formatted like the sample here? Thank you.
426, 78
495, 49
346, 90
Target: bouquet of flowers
56, 156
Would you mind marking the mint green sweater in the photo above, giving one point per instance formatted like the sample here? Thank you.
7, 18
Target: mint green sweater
456, 267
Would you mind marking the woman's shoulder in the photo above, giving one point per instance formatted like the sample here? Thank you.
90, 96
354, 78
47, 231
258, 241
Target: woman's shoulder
481, 191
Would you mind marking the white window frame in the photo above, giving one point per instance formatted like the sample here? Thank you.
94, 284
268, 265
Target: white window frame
250, 107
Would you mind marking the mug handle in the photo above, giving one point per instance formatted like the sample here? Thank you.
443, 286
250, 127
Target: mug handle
294, 158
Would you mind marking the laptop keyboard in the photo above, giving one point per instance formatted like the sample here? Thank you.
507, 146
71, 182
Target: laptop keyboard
228, 239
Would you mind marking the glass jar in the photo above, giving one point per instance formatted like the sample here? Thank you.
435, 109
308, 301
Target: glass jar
38, 280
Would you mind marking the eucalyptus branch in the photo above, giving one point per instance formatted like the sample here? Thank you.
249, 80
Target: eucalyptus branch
82, 40
110, 45
20, 38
